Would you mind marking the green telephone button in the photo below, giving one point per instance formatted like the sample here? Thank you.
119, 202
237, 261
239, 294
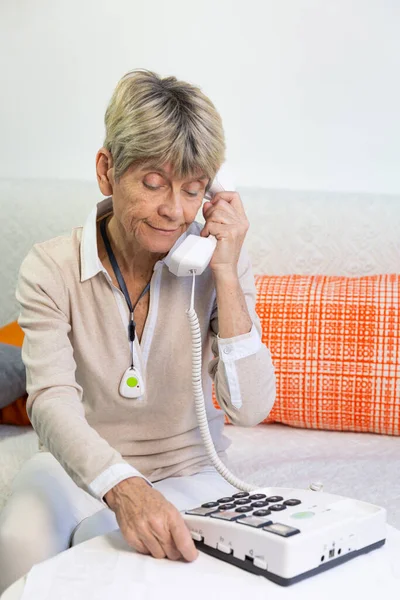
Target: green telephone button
303, 515
132, 382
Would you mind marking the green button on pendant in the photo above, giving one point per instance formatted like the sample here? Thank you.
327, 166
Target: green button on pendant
132, 382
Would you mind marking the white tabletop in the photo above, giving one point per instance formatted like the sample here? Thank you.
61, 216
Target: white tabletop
105, 567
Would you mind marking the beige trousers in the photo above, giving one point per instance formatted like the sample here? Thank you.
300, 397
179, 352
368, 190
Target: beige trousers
48, 513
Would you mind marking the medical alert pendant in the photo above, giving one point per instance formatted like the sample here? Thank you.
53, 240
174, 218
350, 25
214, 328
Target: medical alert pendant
131, 385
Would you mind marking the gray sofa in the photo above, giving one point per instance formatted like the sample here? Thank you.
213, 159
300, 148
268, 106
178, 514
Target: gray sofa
291, 232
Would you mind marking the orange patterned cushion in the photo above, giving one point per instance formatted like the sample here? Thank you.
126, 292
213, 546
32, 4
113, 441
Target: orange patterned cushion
15, 413
335, 344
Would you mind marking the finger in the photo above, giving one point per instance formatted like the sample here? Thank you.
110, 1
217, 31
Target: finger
233, 198
220, 204
218, 230
183, 539
206, 207
153, 545
204, 232
160, 530
170, 549
221, 216
216, 201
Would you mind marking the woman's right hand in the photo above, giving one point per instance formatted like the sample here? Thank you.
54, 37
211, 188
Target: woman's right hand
148, 522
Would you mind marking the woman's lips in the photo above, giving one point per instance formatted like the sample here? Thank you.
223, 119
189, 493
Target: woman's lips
166, 231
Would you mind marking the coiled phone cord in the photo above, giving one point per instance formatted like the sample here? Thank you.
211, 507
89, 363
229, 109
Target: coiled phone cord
201, 410
199, 401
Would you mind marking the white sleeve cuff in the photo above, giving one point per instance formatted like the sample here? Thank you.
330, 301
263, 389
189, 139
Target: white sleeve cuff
232, 349
110, 477
241, 346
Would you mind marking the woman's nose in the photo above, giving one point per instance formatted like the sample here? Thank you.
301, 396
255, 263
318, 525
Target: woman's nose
172, 206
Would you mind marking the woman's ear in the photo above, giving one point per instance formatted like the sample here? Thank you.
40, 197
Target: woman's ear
105, 171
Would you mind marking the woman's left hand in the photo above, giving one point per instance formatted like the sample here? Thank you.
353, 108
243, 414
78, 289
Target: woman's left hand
226, 220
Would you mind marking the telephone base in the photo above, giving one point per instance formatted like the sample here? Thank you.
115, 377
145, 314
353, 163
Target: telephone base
286, 534
248, 564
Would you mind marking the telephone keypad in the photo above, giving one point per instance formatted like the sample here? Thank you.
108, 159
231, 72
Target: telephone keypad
253, 510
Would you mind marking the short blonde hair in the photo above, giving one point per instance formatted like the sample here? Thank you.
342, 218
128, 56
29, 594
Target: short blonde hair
163, 120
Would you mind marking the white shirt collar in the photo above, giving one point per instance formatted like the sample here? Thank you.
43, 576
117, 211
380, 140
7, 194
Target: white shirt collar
90, 262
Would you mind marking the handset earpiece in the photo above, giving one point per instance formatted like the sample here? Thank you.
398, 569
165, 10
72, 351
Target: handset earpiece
223, 181
193, 255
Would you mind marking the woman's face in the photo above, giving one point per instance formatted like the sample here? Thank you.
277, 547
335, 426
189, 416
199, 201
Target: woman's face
153, 208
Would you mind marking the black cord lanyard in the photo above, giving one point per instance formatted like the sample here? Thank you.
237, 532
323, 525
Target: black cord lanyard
121, 282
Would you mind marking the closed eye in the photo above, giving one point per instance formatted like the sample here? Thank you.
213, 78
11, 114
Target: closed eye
151, 187
157, 187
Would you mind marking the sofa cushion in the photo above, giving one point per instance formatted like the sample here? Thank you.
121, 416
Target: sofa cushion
335, 344
12, 374
12, 377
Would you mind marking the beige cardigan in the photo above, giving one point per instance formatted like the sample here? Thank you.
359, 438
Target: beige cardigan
76, 350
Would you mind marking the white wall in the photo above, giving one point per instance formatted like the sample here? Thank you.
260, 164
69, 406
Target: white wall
308, 89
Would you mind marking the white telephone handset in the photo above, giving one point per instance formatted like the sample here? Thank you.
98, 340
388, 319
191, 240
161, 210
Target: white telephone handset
195, 252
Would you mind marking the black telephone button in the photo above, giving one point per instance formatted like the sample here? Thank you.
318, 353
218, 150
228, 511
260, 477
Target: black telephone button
226, 506
292, 502
240, 495
277, 507
261, 513
242, 502
259, 504
257, 497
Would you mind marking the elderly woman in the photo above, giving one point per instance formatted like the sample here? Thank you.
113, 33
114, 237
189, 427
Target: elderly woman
106, 341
